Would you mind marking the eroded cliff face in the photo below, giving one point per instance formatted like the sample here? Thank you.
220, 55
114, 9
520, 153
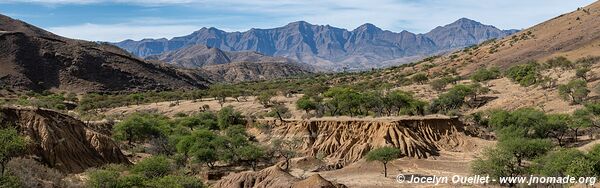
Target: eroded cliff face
61, 141
343, 141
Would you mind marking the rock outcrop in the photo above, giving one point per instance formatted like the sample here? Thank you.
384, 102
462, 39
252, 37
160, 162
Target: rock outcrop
343, 141
272, 177
61, 141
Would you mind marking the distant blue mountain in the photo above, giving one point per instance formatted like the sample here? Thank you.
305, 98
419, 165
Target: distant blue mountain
322, 45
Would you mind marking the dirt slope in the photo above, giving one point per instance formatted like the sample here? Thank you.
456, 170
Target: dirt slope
34, 59
272, 177
573, 35
61, 141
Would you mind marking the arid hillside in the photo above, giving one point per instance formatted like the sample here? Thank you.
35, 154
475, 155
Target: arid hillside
573, 35
34, 59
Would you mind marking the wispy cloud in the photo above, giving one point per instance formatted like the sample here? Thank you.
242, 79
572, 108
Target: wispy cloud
395, 15
118, 32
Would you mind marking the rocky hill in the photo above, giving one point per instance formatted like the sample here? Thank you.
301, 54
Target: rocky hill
253, 71
61, 141
34, 59
197, 56
224, 66
329, 47
573, 35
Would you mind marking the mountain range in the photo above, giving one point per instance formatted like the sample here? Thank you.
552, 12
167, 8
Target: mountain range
329, 47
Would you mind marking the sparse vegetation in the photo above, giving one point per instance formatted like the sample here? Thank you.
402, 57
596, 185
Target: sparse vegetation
11, 145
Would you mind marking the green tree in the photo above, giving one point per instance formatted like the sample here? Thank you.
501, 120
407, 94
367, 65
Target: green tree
576, 91
285, 149
497, 163
264, 98
140, 127
525, 74
383, 155
562, 163
11, 145
524, 148
306, 103
201, 145
228, 116
251, 154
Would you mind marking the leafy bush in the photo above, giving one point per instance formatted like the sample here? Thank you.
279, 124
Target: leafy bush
565, 162
438, 84
559, 62
11, 145
525, 74
32, 173
420, 78
485, 74
152, 167
102, 178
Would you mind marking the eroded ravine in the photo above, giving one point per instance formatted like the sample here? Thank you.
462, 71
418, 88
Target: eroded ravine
347, 140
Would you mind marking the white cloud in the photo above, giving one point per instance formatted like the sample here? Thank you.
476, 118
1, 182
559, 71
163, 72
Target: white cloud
395, 15
118, 32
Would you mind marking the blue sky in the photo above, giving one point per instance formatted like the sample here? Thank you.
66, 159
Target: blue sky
116, 20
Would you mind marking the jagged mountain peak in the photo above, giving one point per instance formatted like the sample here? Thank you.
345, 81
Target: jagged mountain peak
329, 47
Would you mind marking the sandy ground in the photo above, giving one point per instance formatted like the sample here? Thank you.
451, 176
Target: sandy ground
249, 107
370, 174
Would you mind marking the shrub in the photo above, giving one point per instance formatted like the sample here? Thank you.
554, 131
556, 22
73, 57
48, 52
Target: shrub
102, 178
485, 74
152, 167
525, 75
562, 163
559, 62
438, 84
581, 73
11, 145
132, 180
420, 78
10, 181
32, 173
